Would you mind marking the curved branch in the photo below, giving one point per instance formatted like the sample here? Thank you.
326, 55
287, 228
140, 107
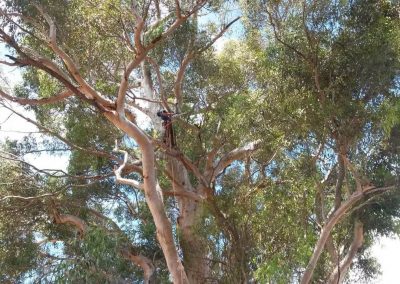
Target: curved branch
333, 219
141, 55
33, 102
340, 272
179, 77
130, 252
69, 63
153, 196
71, 220
143, 262
234, 155
191, 54
119, 170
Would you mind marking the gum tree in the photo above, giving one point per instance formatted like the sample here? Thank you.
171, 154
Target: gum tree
288, 125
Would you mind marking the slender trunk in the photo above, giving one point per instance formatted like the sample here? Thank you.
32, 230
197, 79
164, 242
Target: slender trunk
325, 233
341, 271
163, 225
339, 183
333, 219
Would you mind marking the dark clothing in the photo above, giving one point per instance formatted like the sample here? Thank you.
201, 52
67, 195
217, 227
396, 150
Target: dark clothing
166, 117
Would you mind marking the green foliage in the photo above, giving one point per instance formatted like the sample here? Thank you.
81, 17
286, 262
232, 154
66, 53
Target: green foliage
307, 85
98, 260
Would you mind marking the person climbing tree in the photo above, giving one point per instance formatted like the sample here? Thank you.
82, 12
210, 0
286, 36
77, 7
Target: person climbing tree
166, 117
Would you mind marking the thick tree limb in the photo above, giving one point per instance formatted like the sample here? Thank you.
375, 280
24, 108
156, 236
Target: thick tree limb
153, 196
333, 219
236, 154
69, 219
32, 102
160, 83
143, 262
138, 28
38, 63
179, 78
340, 272
72, 69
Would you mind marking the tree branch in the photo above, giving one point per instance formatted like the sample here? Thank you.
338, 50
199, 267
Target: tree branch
72, 69
69, 219
340, 272
32, 102
72, 145
143, 262
119, 170
160, 83
140, 56
354, 172
236, 154
25, 197
333, 219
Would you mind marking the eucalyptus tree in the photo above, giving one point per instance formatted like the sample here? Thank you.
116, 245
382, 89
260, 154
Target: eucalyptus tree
338, 63
278, 138
87, 65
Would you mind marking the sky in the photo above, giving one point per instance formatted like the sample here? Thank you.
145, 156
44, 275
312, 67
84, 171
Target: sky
386, 250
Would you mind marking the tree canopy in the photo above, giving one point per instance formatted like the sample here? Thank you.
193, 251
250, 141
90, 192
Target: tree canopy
273, 158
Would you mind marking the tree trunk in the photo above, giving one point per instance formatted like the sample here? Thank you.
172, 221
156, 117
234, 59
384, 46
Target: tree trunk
332, 221
193, 246
154, 198
341, 271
